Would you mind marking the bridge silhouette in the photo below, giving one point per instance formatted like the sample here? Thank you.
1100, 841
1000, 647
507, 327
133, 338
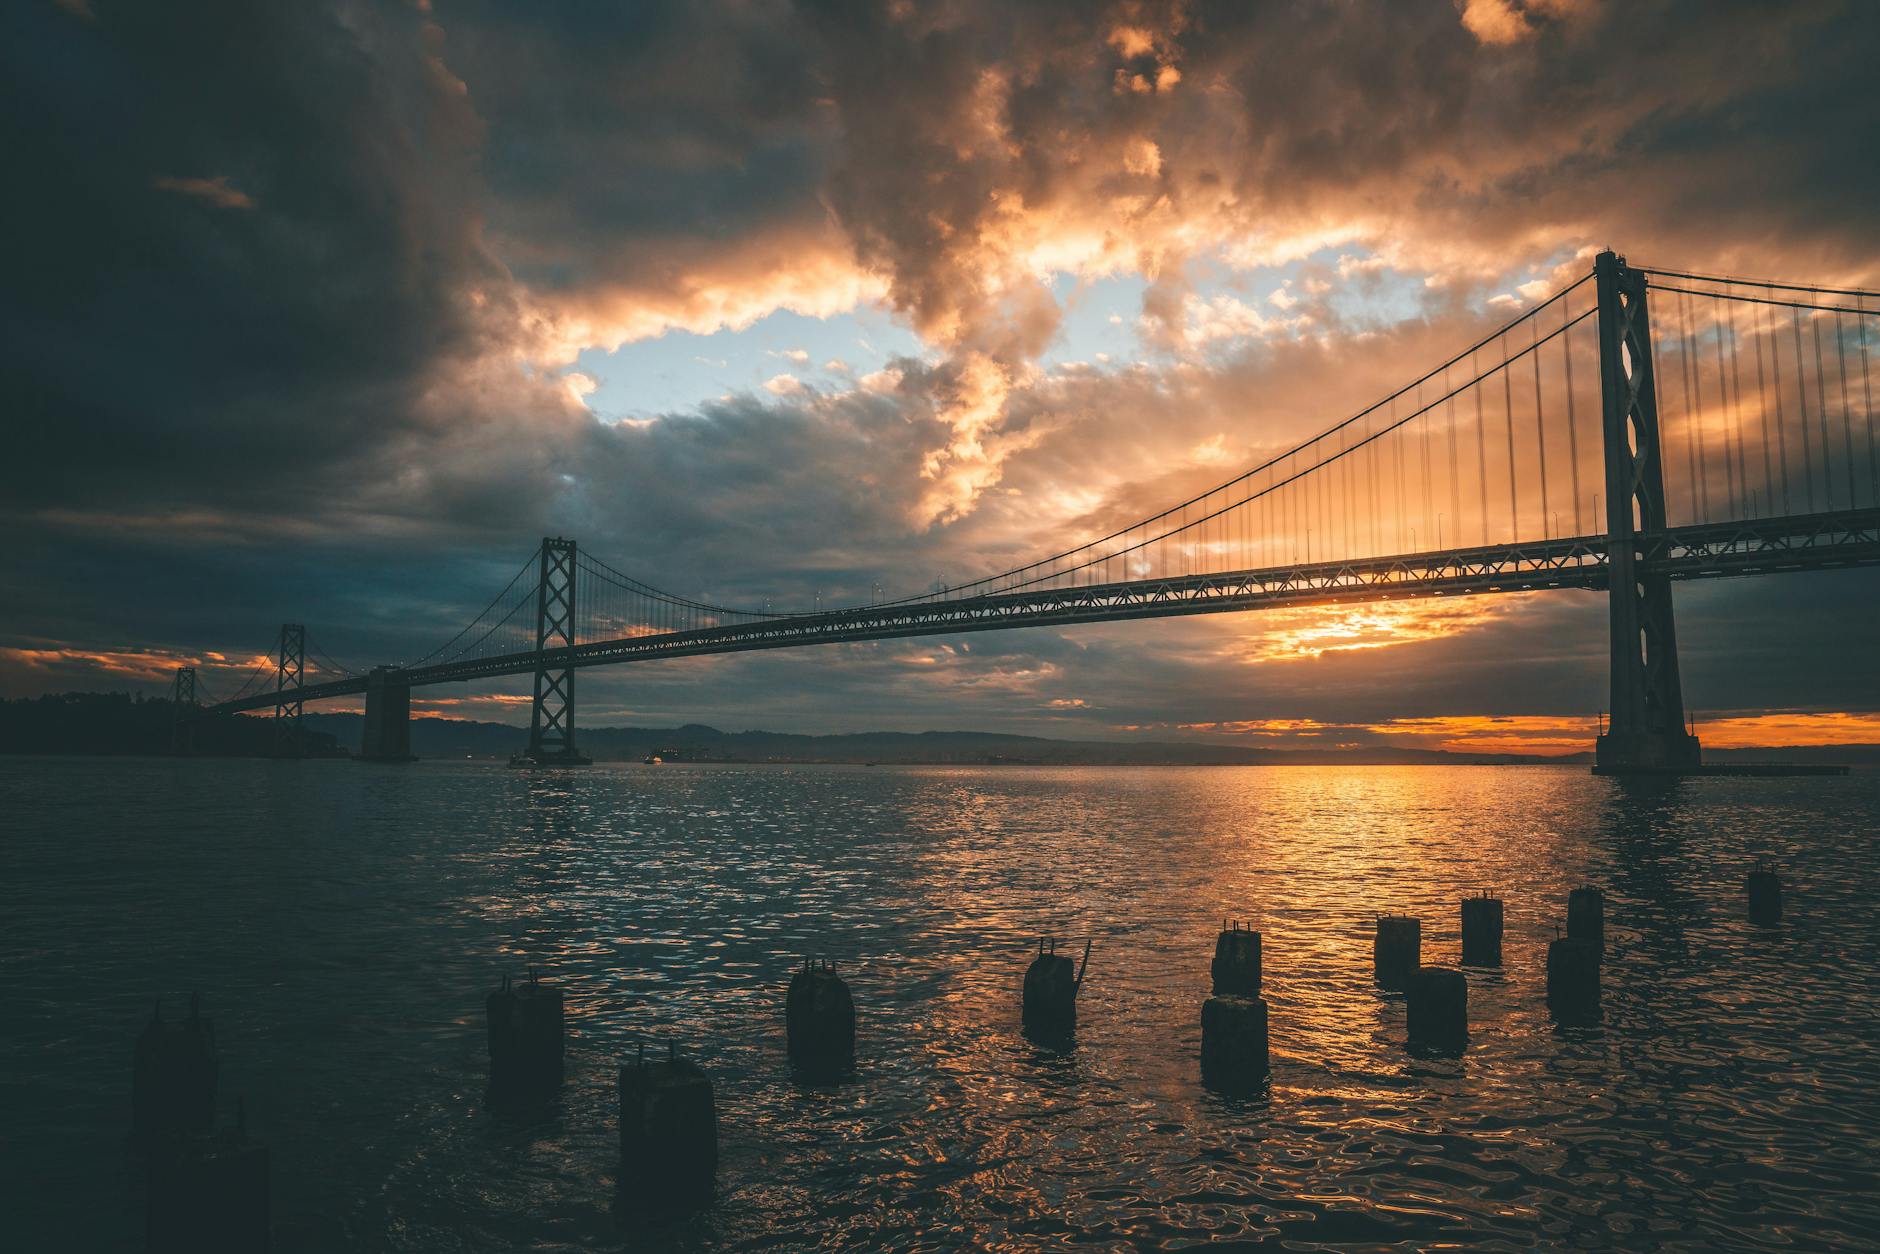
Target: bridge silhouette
1766, 433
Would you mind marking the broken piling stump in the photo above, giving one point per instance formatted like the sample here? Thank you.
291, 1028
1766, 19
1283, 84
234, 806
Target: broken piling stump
1586, 916
1233, 1040
1236, 968
174, 1071
1765, 895
819, 1020
525, 1025
1481, 931
1396, 950
1573, 979
1051, 984
1436, 1010
668, 1130
208, 1194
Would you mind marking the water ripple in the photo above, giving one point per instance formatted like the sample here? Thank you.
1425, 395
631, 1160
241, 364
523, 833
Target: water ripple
345, 920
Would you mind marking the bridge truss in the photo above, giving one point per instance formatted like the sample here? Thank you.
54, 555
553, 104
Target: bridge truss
1847, 538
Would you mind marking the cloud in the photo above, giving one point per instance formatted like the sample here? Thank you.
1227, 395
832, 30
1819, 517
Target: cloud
215, 191
1494, 21
307, 280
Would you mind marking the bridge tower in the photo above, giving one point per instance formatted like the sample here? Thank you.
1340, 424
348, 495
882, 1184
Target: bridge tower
551, 721
183, 706
290, 670
1645, 731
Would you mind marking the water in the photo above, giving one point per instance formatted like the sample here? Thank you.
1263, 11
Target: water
344, 922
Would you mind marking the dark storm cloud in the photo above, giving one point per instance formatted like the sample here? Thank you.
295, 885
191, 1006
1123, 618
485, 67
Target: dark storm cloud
169, 347
291, 284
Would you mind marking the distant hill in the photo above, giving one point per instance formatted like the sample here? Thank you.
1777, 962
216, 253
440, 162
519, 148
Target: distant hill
456, 738
118, 723
694, 742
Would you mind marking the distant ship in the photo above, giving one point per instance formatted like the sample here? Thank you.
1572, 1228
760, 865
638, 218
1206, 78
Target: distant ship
651, 759
527, 761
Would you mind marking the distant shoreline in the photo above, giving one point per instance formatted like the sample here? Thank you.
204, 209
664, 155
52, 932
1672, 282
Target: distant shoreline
118, 725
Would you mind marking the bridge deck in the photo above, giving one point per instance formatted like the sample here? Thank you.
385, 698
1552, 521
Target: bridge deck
1763, 546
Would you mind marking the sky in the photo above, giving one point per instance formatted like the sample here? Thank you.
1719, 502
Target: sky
327, 312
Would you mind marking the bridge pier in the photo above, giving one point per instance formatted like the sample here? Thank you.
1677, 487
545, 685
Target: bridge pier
1645, 733
387, 736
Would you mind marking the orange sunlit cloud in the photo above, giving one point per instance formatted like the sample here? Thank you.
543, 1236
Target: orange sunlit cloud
1312, 631
1545, 735
1758, 731
461, 707
55, 667
134, 664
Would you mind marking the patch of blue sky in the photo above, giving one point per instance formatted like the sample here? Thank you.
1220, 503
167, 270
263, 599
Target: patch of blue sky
679, 371
1098, 325
1360, 289
1101, 323
1527, 281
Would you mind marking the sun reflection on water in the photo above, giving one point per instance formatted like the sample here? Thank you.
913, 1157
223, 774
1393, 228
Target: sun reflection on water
672, 904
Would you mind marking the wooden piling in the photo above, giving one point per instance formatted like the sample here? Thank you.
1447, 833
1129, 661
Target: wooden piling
1481, 931
1236, 967
1765, 895
819, 1019
1233, 1040
1396, 950
174, 1072
1051, 985
1586, 916
668, 1130
208, 1194
526, 1025
1436, 1009
1573, 979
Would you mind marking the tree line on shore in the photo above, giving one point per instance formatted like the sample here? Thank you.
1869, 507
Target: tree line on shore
119, 723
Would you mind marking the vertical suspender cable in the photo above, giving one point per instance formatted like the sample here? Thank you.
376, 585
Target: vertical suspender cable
1866, 391
1762, 411
1396, 443
1801, 399
1697, 401
1429, 497
1690, 416
1847, 418
1455, 488
1507, 405
1573, 435
1821, 416
1736, 402
1724, 411
1540, 423
1481, 447
1370, 474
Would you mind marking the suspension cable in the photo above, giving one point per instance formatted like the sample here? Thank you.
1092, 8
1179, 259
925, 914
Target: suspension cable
1769, 300
1767, 284
473, 622
1271, 462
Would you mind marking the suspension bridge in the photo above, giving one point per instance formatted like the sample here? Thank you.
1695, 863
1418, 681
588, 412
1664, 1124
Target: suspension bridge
1638, 428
